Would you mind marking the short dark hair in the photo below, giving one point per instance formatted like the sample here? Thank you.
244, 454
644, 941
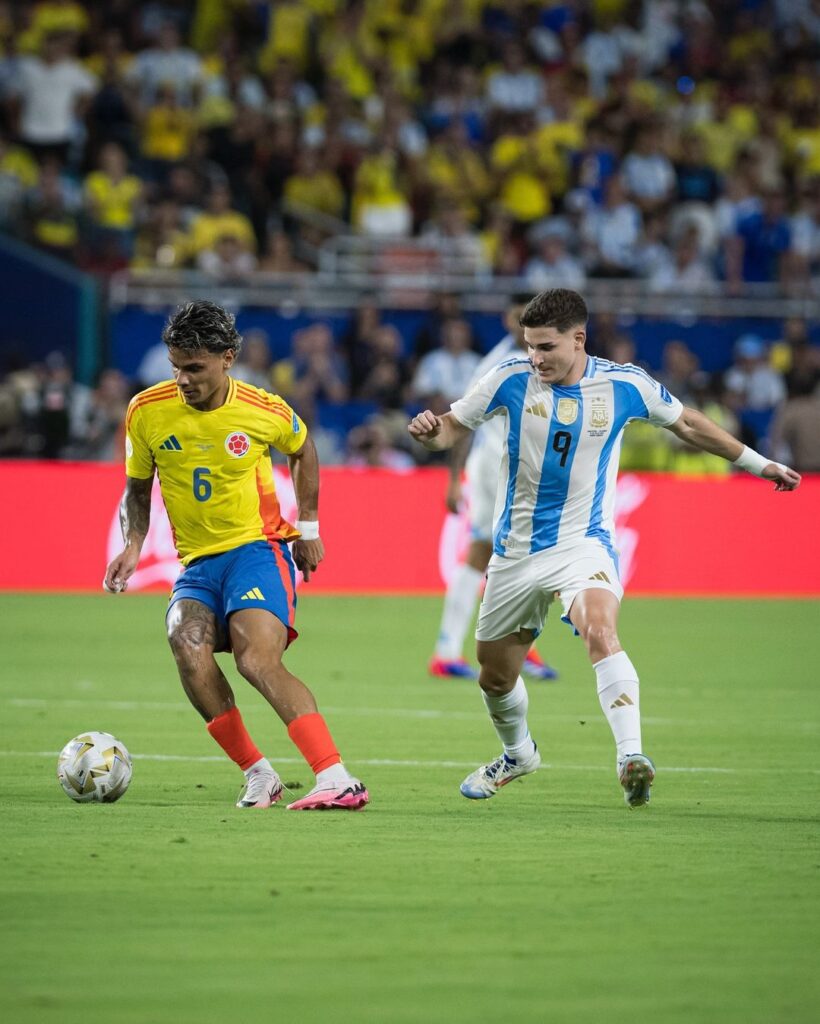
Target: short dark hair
202, 325
560, 308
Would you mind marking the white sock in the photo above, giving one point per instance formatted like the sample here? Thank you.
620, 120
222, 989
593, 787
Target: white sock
262, 765
335, 775
459, 605
509, 716
620, 701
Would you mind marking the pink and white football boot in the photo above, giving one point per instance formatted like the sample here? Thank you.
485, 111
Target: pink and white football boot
347, 796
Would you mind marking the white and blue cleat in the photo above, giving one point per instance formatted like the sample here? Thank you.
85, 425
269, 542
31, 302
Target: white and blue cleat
486, 781
636, 773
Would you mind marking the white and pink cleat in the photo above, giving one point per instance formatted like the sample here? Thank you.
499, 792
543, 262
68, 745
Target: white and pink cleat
349, 796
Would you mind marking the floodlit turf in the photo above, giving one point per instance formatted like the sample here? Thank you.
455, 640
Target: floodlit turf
551, 902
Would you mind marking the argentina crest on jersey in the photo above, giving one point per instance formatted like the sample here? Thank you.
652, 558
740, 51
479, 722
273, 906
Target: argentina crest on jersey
598, 416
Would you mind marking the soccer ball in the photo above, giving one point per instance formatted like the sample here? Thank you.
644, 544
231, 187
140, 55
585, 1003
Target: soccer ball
94, 767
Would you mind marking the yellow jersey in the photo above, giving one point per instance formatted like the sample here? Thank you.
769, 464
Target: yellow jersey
214, 467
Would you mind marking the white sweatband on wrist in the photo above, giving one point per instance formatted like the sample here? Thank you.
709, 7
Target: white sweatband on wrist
309, 528
751, 461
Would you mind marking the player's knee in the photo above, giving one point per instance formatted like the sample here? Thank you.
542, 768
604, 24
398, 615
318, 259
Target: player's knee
255, 667
187, 641
601, 639
494, 679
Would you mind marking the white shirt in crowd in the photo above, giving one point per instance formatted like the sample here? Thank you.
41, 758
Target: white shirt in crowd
49, 95
759, 387
445, 373
648, 176
515, 92
614, 233
565, 272
179, 67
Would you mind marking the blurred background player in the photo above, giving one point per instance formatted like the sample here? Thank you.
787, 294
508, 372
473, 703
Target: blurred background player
208, 438
479, 455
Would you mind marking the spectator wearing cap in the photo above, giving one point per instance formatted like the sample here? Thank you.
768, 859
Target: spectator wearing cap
754, 388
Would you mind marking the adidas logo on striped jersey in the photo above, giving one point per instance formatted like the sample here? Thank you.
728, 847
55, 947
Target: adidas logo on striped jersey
539, 409
253, 595
170, 444
600, 576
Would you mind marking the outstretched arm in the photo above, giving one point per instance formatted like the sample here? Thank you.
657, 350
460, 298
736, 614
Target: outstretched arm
699, 431
135, 518
436, 433
309, 550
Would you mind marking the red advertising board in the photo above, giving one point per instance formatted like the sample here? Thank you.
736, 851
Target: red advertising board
388, 532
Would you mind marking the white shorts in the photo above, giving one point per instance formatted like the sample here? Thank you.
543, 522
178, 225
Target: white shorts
520, 590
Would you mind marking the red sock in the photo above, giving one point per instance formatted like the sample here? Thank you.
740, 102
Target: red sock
312, 736
230, 733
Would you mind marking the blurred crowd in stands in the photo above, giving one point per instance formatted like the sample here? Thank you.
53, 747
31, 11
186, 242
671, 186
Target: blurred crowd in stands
676, 141
356, 388
671, 141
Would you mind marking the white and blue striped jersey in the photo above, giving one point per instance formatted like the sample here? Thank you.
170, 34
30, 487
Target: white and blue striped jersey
560, 461
488, 441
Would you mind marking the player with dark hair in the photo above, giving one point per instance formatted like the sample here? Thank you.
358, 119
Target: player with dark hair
565, 413
208, 436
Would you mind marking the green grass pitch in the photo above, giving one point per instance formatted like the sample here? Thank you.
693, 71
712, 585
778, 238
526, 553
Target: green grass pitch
551, 902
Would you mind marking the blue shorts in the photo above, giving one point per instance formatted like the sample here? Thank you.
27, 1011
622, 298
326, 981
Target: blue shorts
256, 575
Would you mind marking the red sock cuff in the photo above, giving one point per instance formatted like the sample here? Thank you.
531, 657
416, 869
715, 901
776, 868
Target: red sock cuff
312, 736
230, 733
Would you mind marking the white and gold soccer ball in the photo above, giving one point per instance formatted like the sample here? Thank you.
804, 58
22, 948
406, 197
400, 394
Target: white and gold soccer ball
94, 767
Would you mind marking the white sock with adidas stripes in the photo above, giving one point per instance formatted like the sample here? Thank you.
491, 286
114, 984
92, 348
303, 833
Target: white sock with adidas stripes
619, 695
509, 716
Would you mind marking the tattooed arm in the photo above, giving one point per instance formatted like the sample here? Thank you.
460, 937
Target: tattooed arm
135, 516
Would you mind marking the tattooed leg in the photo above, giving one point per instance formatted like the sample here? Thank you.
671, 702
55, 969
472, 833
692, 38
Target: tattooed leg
194, 635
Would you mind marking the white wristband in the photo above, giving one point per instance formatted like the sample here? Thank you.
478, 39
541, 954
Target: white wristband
309, 528
751, 461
